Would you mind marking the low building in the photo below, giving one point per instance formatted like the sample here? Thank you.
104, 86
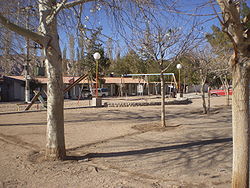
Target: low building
12, 87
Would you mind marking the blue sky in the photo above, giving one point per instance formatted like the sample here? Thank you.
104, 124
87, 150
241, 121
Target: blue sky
99, 18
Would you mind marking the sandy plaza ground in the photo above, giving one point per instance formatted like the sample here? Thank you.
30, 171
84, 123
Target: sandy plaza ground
120, 147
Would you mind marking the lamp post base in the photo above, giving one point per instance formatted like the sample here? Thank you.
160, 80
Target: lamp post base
96, 102
179, 95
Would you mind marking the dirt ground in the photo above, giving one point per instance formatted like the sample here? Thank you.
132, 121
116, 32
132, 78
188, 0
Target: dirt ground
120, 147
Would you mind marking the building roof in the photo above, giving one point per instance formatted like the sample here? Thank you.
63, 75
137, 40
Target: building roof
124, 80
69, 79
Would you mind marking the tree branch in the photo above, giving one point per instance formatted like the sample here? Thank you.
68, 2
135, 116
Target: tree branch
74, 3
58, 7
232, 20
63, 5
40, 39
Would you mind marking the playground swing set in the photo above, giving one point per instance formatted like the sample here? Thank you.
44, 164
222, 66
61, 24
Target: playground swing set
170, 81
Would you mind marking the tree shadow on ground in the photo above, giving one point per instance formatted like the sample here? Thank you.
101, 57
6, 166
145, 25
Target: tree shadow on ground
140, 115
150, 150
153, 150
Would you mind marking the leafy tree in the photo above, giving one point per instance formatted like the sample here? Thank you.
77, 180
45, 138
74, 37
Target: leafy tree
245, 10
190, 76
131, 63
219, 40
87, 62
89, 65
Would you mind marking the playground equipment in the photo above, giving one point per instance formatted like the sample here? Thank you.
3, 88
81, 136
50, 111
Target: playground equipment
34, 99
75, 82
171, 83
39, 97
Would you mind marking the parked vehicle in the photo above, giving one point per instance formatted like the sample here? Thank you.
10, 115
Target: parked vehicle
86, 93
102, 92
220, 92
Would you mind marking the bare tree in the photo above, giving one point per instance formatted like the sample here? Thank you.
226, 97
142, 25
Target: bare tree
155, 45
223, 49
162, 45
48, 38
237, 28
235, 24
202, 60
221, 69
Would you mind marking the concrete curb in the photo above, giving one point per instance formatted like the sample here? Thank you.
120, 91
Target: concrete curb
134, 104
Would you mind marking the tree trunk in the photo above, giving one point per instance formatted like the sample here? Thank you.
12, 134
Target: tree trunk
148, 86
208, 100
55, 144
240, 116
226, 88
203, 97
184, 84
227, 93
227, 98
163, 116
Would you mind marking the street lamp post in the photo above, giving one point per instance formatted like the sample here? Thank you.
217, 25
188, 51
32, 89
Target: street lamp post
179, 66
96, 56
26, 67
